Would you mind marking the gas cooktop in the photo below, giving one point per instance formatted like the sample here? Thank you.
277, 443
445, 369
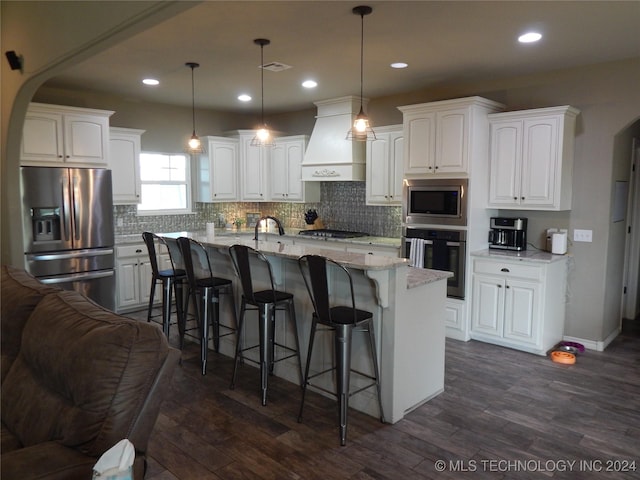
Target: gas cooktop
328, 233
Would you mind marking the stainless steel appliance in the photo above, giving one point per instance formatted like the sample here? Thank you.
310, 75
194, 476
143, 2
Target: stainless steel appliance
67, 218
508, 233
440, 250
435, 201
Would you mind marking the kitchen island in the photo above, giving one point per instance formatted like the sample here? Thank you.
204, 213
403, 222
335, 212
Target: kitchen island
408, 307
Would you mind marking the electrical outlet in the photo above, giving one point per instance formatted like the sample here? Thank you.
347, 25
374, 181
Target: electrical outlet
582, 235
120, 222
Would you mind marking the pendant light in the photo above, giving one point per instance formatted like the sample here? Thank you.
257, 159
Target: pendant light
263, 137
194, 145
361, 130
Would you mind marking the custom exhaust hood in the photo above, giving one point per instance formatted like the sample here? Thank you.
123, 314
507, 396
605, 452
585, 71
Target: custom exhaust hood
329, 156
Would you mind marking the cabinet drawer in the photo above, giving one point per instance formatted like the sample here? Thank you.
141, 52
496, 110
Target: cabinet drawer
506, 269
130, 250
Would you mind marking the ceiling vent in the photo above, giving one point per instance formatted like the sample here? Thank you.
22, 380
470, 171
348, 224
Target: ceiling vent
275, 66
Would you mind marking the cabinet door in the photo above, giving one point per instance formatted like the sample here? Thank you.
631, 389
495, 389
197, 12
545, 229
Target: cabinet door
128, 283
294, 157
42, 138
488, 305
85, 139
396, 170
419, 133
253, 171
124, 162
224, 159
377, 187
521, 322
279, 181
452, 140
539, 161
506, 160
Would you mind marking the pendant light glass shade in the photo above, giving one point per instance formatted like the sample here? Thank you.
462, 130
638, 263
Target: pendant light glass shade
361, 130
263, 137
194, 146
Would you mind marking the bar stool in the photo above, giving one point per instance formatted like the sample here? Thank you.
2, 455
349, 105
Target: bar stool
343, 321
172, 280
205, 290
266, 302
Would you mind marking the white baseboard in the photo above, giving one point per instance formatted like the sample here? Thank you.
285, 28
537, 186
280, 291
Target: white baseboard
597, 345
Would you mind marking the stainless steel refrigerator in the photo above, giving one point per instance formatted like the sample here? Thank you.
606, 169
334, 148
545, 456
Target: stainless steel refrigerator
67, 219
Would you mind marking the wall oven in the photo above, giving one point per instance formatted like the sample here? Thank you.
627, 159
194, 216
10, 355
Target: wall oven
438, 250
435, 201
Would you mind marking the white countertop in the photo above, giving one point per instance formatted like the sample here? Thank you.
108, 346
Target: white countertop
534, 256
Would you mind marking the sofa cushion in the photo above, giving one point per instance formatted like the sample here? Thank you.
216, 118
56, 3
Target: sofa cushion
21, 293
81, 376
50, 461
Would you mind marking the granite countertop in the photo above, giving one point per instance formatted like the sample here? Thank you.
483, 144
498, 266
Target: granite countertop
533, 256
271, 246
368, 240
422, 276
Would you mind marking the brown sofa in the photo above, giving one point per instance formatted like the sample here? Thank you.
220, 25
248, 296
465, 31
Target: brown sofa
76, 379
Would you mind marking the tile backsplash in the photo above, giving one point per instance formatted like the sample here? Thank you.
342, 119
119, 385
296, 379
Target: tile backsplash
341, 206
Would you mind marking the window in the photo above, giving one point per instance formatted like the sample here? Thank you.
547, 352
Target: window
165, 181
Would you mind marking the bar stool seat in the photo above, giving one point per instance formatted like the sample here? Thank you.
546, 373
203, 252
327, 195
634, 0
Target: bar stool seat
266, 302
172, 280
342, 321
205, 289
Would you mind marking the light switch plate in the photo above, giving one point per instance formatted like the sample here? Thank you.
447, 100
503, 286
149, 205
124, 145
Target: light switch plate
582, 235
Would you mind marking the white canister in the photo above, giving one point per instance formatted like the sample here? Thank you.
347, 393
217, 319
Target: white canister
211, 230
559, 243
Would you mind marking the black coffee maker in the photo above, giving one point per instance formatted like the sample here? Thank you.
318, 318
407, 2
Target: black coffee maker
508, 233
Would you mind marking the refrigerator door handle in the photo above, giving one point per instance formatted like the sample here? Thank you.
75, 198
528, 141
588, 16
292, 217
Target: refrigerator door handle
76, 208
76, 277
65, 209
68, 255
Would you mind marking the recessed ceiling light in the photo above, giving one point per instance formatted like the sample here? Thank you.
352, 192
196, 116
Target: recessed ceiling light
309, 84
150, 81
529, 37
244, 97
399, 65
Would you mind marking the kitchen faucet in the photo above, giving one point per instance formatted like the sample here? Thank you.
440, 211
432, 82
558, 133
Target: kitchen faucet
278, 223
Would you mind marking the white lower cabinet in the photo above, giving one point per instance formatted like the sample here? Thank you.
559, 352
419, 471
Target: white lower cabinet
518, 304
455, 319
133, 277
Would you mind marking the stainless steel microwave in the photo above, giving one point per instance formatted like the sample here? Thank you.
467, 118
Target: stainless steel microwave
435, 201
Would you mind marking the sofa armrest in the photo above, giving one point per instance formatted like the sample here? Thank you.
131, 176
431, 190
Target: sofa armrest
144, 423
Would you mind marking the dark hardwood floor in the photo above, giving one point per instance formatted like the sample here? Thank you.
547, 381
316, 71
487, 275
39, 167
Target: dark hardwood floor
503, 414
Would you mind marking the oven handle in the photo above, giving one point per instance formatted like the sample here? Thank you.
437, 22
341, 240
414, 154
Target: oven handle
453, 244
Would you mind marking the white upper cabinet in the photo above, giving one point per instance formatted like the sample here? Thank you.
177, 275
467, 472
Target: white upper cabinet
254, 179
531, 162
217, 172
439, 136
67, 136
124, 162
385, 166
286, 172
